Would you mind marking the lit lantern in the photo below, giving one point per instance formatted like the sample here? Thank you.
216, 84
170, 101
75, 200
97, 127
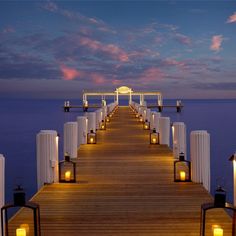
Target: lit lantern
146, 125
85, 106
154, 137
102, 125
107, 119
140, 118
219, 202
182, 170
136, 115
19, 201
91, 138
67, 170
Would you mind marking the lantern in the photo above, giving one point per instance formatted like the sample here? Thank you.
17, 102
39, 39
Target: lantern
107, 119
85, 106
146, 125
91, 137
102, 125
154, 137
30, 226
136, 115
67, 170
182, 170
219, 202
141, 118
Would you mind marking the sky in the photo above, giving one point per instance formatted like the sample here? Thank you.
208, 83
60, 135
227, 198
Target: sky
57, 49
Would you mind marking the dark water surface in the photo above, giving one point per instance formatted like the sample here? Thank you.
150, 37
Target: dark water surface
21, 120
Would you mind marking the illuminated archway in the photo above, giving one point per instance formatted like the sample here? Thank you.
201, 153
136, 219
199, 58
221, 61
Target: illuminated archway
123, 91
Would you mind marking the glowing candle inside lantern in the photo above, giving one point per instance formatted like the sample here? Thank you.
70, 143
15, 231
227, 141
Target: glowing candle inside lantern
67, 175
103, 126
91, 140
182, 175
20, 232
26, 227
217, 231
154, 140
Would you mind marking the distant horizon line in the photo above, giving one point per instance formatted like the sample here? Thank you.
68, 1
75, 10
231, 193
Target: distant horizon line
97, 98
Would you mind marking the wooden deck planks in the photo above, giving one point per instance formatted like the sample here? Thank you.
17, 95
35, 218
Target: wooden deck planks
125, 187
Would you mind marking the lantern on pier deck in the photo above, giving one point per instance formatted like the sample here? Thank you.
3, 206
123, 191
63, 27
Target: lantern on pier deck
219, 202
91, 137
182, 169
107, 119
67, 170
102, 125
85, 106
154, 137
141, 118
30, 225
146, 125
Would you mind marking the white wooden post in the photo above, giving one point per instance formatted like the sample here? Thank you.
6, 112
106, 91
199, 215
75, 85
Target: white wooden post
154, 120
234, 166
104, 112
148, 114
91, 121
200, 157
164, 129
71, 138
47, 157
82, 130
2, 184
179, 138
98, 117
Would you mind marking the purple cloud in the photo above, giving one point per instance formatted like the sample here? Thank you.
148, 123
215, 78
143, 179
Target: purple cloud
183, 39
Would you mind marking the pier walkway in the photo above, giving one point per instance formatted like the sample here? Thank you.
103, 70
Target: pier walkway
125, 187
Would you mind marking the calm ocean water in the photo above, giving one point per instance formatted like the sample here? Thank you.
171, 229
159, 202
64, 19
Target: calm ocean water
21, 120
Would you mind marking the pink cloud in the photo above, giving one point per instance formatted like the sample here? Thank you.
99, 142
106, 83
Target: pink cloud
183, 39
232, 18
69, 73
98, 78
173, 62
216, 42
109, 49
143, 53
152, 74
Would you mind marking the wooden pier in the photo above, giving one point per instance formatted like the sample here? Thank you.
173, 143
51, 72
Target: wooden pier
125, 187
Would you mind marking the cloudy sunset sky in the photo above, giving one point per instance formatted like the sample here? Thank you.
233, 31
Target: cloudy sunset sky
186, 49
